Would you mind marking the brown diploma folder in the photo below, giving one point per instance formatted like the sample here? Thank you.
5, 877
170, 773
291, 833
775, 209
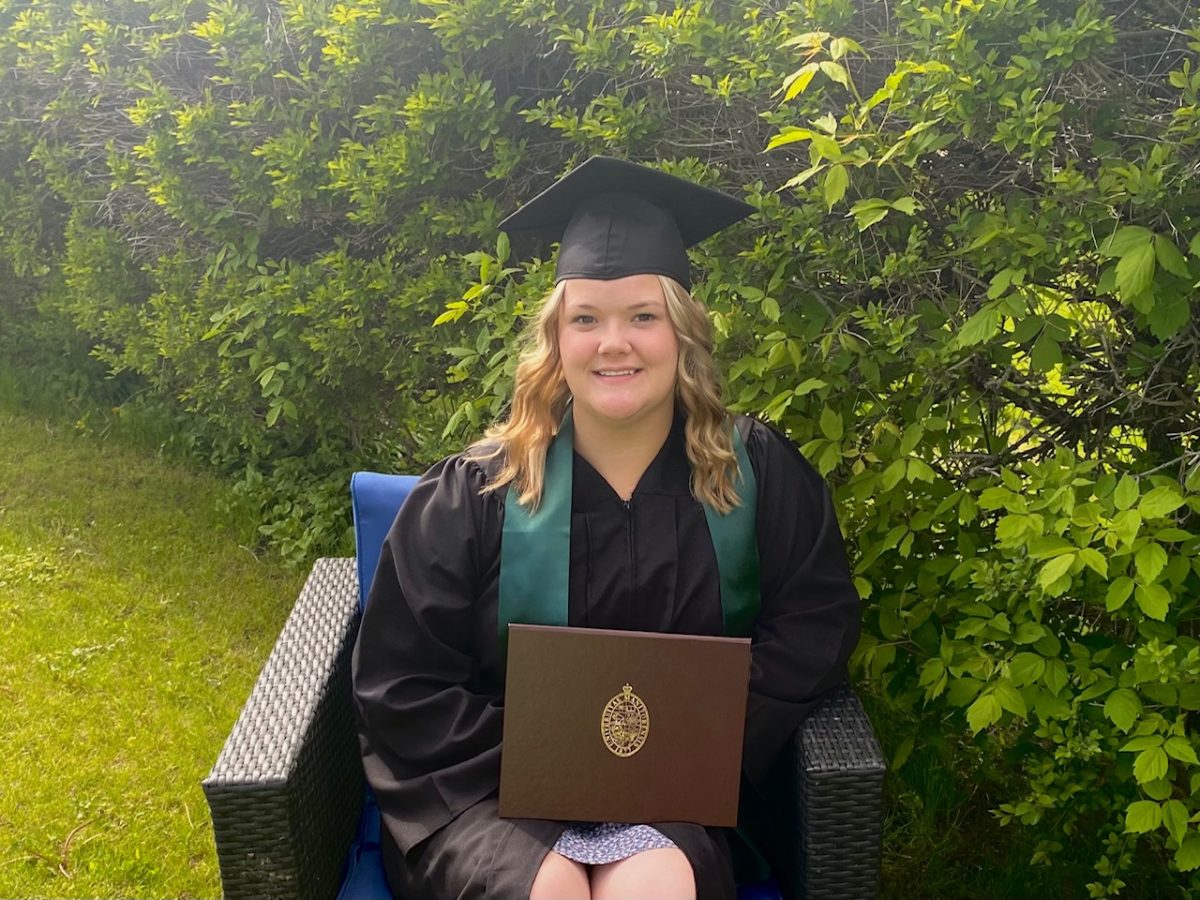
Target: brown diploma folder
579, 745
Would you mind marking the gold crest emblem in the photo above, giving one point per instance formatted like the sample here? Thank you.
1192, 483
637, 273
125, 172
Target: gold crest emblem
625, 723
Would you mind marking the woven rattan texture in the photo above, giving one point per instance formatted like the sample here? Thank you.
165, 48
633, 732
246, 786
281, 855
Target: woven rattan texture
286, 790
840, 770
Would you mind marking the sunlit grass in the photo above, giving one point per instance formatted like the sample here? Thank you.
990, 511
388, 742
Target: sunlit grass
135, 617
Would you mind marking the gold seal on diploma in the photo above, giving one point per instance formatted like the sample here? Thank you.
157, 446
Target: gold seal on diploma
625, 723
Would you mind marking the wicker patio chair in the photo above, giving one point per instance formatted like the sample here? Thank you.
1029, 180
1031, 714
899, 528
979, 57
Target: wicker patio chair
287, 790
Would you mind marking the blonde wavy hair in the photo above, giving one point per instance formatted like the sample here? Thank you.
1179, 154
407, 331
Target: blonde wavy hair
540, 398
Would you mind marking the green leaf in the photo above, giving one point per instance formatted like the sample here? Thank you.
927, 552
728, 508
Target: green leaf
1118, 592
1194, 246
1001, 281
1169, 316
1150, 561
1175, 817
1126, 493
1011, 528
979, 328
1046, 353
1158, 789
918, 470
1123, 708
810, 40
840, 46
996, 498
962, 690
837, 179
1187, 857
824, 147
933, 670
893, 474
798, 81
865, 218
1055, 675
1026, 668
1142, 816
1094, 560
1049, 646
1010, 698
1126, 239
1180, 748
1126, 525
1028, 632
797, 180
911, 437
1169, 257
789, 135
1142, 742
985, 711
1055, 569
808, 385
831, 424
1135, 272
1042, 547
836, 72
1173, 535
1160, 502
1153, 600
1150, 764
906, 205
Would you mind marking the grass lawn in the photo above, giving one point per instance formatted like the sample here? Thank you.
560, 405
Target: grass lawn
134, 619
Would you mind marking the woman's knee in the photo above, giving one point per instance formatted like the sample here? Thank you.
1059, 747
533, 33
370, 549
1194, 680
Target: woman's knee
663, 874
560, 878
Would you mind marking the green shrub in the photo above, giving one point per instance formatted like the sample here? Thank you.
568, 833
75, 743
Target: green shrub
969, 295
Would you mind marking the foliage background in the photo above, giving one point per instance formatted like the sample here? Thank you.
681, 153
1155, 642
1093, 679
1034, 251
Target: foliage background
970, 295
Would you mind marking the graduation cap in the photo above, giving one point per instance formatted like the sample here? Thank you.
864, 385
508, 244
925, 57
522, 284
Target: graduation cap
615, 218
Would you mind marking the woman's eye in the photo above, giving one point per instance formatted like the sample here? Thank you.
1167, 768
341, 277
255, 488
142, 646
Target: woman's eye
645, 317
584, 319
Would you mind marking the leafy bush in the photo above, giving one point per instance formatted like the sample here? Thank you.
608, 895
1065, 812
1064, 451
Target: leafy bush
969, 295
1007, 384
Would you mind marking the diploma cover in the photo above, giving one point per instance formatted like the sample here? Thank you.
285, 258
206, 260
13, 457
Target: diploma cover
623, 726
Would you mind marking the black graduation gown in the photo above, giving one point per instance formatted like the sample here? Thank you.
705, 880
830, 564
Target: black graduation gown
429, 678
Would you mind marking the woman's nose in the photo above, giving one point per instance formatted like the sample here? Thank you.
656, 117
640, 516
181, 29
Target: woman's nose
613, 339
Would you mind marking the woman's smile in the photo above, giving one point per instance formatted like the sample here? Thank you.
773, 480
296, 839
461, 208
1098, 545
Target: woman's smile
617, 373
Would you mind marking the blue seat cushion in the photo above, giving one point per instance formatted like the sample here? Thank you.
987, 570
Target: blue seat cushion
375, 499
364, 878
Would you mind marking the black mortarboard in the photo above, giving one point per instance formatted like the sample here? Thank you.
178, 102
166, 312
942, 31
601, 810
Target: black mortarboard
615, 218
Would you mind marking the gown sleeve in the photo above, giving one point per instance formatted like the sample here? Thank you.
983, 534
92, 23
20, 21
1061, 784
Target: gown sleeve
809, 620
430, 736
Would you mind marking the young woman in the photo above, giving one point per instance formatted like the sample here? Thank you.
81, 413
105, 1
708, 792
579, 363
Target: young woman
622, 348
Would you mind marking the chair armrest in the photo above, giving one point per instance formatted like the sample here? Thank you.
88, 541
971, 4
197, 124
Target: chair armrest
286, 790
839, 770
818, 816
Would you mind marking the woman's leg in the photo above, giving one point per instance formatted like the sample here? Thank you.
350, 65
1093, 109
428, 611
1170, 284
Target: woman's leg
560, 878
662, 874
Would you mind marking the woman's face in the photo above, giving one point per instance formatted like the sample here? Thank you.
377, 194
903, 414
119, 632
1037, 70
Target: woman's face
619, 350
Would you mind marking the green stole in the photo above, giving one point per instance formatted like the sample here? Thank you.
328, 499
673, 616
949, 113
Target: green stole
535, 548
535, 556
